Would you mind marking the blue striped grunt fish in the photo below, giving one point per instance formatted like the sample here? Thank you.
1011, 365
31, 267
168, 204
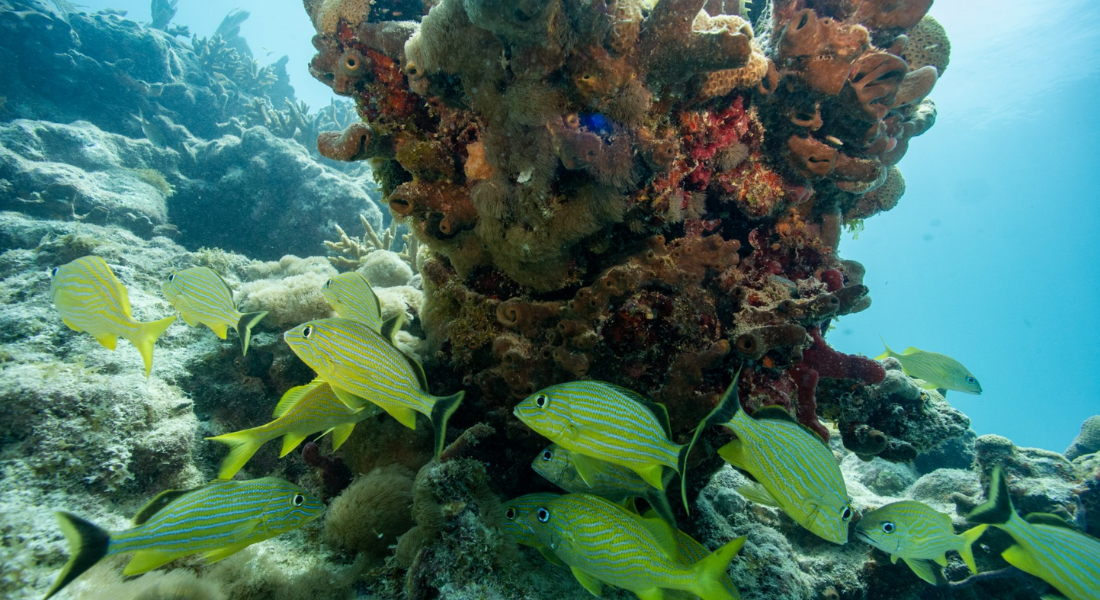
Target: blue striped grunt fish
692, 551
792, 464
302, 411
517, 527
599, 420
361, 366
352, 297
602, 543
919, 535
91, 299
937, 371
217, 520
614, 482
204, 298
1046, 546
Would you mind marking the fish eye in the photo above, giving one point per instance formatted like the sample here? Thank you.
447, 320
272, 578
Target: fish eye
547, 455
542, 400
172, 277
888, 527
298, 499
308, 331
510, 514
328, 283
543, 515
971, 379
846, 513
53, 272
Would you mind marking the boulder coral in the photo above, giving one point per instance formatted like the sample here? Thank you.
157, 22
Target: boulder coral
650, 194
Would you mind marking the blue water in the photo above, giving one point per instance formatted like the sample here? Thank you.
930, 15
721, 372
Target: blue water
991, 255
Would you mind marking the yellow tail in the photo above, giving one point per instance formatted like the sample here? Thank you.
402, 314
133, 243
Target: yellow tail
146, 336
710, 571
969, 537
242, 445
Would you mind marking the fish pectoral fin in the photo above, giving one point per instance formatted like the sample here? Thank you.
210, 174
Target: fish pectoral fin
666, 539
651, 594
291, 441
926, 385
586, 467
757, 493
244, 531
220, 329
894, 559
589, 582
147, 560
107, 340
214, 556
734, 453
653, 475
549, 555
404, 415
340, 434
348, 398
189, 319
926, 570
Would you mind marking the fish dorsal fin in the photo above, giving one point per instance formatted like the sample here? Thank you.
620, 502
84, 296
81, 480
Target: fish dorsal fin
418, 371
1048, 519
293, 396
666, 540
778, 413
590, 583
910, 351
157, 503
377, 302
225, 284
657, 409
392, 326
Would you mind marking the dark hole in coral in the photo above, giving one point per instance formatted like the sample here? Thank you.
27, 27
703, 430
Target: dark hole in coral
803, 20
804, 116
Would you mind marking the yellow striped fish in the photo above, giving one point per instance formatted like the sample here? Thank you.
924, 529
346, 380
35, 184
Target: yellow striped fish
919, 535
692, 551
303, 410
363, 366
217, 520
91, 299
602, 543
937, 371
203, 297
517, 527
793, 466
599, 420
352, 297
614, 482
1046, 546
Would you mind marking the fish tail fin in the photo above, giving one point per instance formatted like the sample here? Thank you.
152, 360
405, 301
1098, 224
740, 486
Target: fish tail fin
709, 572
727, 408
146, 336
441, 414
969, 537
888, 352
997, 510
242, 445
245, 325
88, 544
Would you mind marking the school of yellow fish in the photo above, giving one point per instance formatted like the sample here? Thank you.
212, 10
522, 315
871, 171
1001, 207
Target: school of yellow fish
610, 446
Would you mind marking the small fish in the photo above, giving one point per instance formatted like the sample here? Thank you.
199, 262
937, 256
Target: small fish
599, 420
919, 535
938, 371
792, 464
1046, 546
363, 366
217, 520
517, 527
602, 543
614, 482
152, 131
302, 411
91, 299
352, 297
203, 297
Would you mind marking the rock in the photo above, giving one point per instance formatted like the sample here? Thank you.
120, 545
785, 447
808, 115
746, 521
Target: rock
1087, 441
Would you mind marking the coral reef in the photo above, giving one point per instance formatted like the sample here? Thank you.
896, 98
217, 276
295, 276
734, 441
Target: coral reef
1086, 442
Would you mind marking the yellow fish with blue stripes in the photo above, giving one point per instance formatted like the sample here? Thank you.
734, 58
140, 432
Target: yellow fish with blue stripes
517, 527
692, 551
937, 371
603, 421
217, 520
303, 410
795, 468
204, 298
919, 535
361, 366
352, 297
91, 299
604, 544
614, 482
1046, 546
